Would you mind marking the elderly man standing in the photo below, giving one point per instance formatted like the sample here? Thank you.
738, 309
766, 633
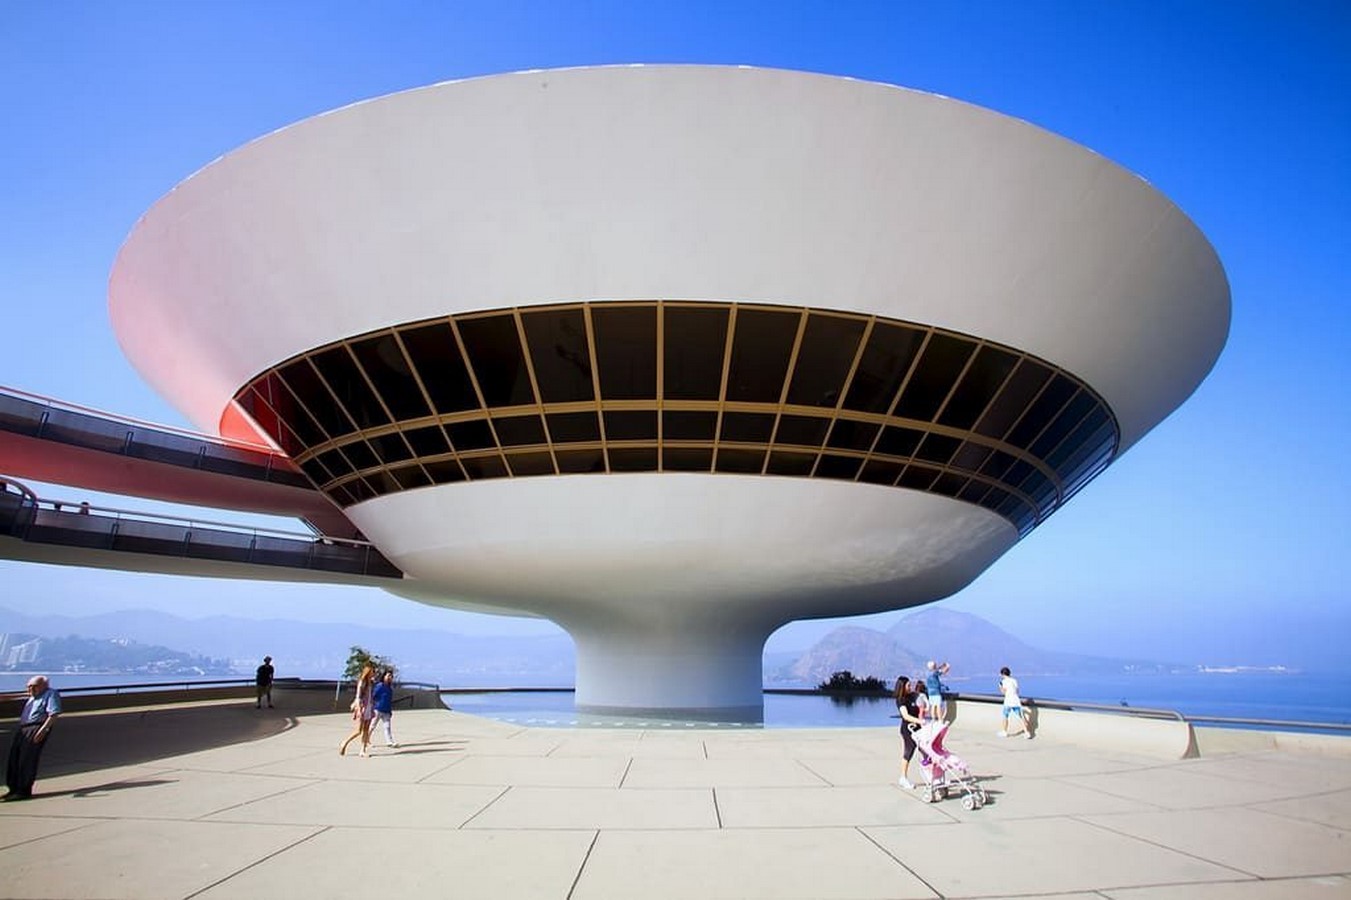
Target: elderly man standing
35, 723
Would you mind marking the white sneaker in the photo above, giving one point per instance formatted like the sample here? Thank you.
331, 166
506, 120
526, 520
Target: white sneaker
1028, 735
906, 783
1002, 733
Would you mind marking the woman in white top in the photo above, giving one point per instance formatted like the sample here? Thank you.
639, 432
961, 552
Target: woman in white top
1013, 704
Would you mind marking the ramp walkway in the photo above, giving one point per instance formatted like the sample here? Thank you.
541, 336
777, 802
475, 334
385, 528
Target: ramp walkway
219, 800
49, 440
64, 533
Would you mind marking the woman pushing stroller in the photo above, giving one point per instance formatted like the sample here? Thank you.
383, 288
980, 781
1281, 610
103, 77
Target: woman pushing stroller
908, 705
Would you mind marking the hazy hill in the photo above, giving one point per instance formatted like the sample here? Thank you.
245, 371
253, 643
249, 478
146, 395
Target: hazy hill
308, 649
975, 648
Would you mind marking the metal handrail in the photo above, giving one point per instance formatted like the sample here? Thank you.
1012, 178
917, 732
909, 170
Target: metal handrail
1278, 723
92, 689
1148, 713
139, 516
1139, 712
57, 403
25, 490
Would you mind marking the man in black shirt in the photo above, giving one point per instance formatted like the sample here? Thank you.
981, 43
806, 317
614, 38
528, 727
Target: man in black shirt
264, 682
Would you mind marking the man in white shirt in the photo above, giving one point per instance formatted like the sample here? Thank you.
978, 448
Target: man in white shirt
35, 723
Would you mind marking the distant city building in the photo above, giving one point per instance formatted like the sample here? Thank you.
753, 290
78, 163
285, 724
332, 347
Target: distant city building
14, 653
673, 355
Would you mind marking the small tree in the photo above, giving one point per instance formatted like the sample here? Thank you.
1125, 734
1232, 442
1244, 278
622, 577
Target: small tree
845, 680
360, 658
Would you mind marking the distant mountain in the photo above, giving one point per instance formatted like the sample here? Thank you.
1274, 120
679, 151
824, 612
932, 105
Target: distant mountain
975, 648
34, 653
307, 649
862, 651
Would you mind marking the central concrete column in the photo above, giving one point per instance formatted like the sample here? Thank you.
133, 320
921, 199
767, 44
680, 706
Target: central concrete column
699, 670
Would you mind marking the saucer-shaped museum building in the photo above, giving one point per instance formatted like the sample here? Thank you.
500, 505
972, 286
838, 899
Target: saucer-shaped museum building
673, 355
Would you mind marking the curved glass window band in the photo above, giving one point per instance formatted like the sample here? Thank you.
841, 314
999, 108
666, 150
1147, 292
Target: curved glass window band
687, 386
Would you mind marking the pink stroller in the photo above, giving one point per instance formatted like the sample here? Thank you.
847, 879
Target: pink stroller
944, 770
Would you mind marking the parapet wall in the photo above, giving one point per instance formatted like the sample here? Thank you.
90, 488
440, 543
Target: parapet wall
1164, 738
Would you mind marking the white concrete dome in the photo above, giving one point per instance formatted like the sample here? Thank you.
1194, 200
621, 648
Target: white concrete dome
823, 210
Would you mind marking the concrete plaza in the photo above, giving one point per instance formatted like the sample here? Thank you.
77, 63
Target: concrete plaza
219, 800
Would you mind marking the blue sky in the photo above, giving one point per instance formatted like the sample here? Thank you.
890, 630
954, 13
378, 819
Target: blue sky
1219, 537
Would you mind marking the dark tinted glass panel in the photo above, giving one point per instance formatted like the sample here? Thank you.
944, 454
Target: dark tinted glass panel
359, 455
919, 477
781, 463
306, 385
743, 461
1069, 418
480, 467
559, 353
1045, 408
696, 339
390, 448
359, 489
677, 425
886, 359
828, 347
471, 435
304, 427
1038, 487
843, 467
760, 349
938, 448
1017, 472
949, 484
970, 457
436, 357
340, 496
974, 491
750, 428
573, 428
1014, 507
335, 463
1022, 386
633, 459
978, 386
346, 381
806, 431
897, 441
631, 425
580, 461
253, 402
318, 474
943, 359
1091, 426
427, 441
517, 431
879, 471
383, 482
494, 350
848, 435
626, 351
686, 459
410, 477
523, 464
445, 471
994, 497
997, 464
388, 369
284, 434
